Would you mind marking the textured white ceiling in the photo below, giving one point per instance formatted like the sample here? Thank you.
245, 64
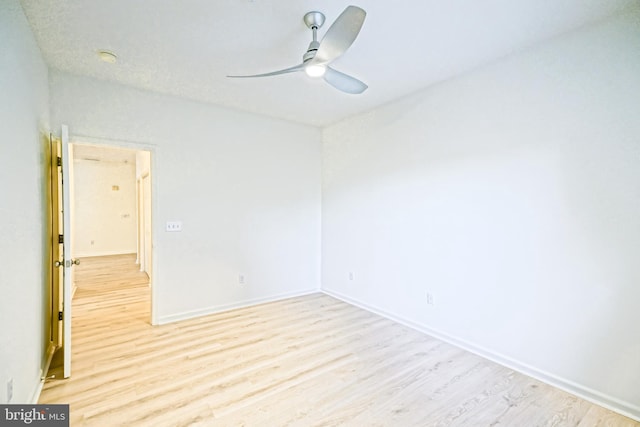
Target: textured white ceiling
187, 47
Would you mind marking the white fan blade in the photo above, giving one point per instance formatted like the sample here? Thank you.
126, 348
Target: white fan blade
274, 73
344, 82
340, 35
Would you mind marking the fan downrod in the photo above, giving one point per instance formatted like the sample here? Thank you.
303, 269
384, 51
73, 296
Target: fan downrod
314, 19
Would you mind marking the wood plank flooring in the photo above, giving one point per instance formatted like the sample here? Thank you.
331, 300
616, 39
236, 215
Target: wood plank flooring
306, 361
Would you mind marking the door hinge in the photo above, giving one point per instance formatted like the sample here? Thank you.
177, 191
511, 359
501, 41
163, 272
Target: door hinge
59, 161
60, 239
60, 315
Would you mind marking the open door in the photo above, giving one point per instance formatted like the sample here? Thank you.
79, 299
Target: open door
67, 194
62, 271
57, 234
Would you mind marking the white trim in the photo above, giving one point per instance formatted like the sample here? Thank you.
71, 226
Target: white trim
617, 405
232, 306
35, 396
78, 138
51, 349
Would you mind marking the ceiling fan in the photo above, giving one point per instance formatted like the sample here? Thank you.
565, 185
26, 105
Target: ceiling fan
338, 38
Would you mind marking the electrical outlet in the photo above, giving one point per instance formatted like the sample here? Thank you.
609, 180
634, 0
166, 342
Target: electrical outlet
241, 279
9, 390
429, 298
351, 276
173, 226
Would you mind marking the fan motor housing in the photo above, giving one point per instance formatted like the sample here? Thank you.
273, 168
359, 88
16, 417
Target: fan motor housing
314, 19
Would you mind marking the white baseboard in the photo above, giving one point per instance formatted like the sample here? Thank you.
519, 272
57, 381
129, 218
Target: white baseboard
232, 306
622, 407
51, 349
35, 396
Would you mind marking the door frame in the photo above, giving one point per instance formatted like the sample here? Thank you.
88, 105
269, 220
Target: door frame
80, 139
146, 183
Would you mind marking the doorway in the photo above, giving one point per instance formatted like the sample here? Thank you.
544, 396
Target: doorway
111, 208
104, 185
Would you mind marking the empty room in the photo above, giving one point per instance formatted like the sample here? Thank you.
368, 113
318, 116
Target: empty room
369, 214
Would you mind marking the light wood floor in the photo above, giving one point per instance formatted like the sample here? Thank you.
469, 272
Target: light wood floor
307, 361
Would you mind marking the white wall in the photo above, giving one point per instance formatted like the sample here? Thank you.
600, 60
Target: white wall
512, 195
246, 188
104, 218
24, 119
